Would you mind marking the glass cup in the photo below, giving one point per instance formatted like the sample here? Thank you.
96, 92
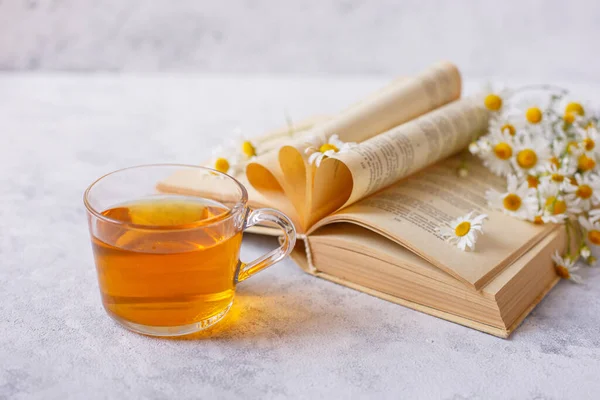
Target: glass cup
166, 241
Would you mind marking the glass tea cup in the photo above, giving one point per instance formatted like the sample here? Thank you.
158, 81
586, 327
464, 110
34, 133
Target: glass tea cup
166, 240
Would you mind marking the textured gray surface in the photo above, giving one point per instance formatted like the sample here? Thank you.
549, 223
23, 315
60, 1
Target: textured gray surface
549, 39
289, 334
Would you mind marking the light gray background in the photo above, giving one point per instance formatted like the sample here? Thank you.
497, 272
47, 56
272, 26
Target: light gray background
539, 40
219, 64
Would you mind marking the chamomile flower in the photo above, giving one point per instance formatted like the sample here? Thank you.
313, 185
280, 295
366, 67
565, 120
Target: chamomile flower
505, 123
571, 106
537, 218
532, 154
584, 251
572, 112
224, 160
558, 175
592, 230
585, 190
244, 147
320, 150
565, 267
493, 98
464, 231
556, 206
233, 156
493, 102
500, 148
590, 140
531, 109
518, 201
586, 161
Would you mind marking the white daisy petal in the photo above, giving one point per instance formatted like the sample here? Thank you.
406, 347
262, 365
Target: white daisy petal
313, 157
576, 278
319, 159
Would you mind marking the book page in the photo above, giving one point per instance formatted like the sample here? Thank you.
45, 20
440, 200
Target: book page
400, 101
288, 174
410, 211
378, 162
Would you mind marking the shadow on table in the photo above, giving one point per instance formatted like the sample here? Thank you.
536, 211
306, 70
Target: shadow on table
276, 315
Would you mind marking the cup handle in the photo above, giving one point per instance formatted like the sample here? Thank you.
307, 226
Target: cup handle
244, 270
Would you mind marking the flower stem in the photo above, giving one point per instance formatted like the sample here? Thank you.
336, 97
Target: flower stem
568, 230
290, 124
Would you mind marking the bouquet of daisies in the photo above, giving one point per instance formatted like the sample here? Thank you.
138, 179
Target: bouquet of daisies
548, 149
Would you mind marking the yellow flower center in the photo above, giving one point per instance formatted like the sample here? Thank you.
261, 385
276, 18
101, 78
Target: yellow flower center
589, 125
594, 237
574, 108
327, 147
538, 220
503, 151
248, 149
555, 206
585, 163
462, 229
222, 165
589, 144
584, 191
533, 115
569, 117
512, 202
557, 178
555, 161
493, 102
526, 158
562, 271
510, 128
532, 181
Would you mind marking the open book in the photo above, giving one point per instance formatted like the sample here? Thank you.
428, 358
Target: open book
368, 216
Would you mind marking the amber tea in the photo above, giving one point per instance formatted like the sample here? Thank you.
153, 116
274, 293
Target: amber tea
167, 277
